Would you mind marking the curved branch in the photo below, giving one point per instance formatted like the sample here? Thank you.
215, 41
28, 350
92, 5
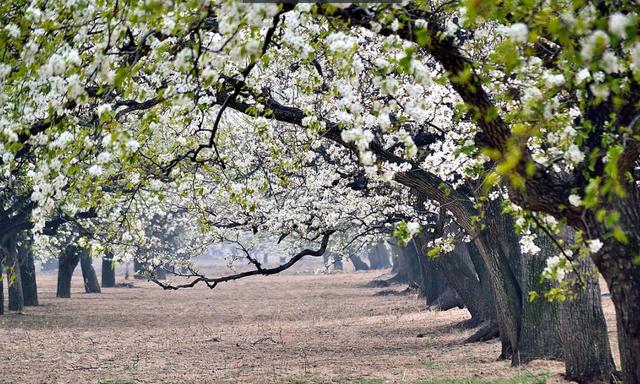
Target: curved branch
213, 282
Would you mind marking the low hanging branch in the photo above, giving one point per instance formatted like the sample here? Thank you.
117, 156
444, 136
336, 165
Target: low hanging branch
212, 282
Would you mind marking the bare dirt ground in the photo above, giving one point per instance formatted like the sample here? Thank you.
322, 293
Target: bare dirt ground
280, 329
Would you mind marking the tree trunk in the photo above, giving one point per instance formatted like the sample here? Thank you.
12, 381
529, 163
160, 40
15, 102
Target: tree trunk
108, 271
89, 276
504, 290
160, 273
14, 276
539, 338
67, 262
432, 283
583, 333
358, 264
402, 265
619, 264
1, 281
138, 268
623, 278
337, 263
449, 299
394, 260
379, 257
459, 271
28, 273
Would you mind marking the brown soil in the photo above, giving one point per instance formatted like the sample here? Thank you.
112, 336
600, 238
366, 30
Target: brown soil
259, 330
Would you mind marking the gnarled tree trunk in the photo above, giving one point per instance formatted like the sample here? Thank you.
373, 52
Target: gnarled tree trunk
379, 257
89, 276
67, 262
460, 273
583, 332
433, 284
28, 273
619, 263
108, 271
1, 281
539, 337
14, 277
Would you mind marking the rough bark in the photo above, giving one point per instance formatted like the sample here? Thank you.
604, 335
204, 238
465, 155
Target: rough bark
432, 283
28, 273
91, 284
449, 299
459, 271
539, 338
67, 262
415, 272
14, 277
108, 271
583, 333
1, 281
619, 264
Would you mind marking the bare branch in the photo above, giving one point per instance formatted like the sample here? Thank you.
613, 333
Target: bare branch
213, 282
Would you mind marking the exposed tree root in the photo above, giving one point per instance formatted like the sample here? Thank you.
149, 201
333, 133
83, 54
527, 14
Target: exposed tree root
486, 331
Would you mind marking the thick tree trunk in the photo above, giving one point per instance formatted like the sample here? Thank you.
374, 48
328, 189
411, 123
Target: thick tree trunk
1, 281
432, 283
379, 257
394, 260
28, 274
385, 255
623, 278
91, 284
415, 272
333, 261
14, 276
449, 299
358, 264
583, 332
459, 271
67, 262
504, 290
108, 271
402, 265
619, 263
539, 337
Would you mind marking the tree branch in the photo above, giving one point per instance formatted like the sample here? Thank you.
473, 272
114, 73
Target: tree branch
213, 282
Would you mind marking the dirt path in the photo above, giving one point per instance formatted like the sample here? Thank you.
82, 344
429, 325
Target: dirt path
282, 329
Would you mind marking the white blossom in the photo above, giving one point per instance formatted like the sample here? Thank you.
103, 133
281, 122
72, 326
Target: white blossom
574, 154
618, 24
575, 200
518, 32
595, 245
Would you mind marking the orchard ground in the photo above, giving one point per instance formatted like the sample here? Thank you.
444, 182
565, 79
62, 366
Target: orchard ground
297, 327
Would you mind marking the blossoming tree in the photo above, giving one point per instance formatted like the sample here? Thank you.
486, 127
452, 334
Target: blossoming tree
300, 121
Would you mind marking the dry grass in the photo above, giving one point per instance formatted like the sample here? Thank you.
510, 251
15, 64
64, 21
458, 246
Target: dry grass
285, 329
